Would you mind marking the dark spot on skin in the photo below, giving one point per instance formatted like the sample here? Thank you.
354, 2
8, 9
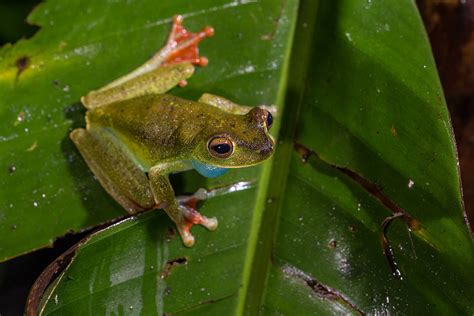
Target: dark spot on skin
21, 64
171, 264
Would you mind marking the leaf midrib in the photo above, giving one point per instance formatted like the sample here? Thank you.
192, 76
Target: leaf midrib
262, 235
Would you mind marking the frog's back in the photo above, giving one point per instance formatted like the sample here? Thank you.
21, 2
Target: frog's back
154, 108
159, 126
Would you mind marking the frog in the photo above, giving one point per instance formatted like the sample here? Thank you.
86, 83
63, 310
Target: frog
137, 134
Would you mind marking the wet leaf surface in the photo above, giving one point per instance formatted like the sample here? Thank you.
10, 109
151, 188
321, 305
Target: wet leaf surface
47, 179
359, 97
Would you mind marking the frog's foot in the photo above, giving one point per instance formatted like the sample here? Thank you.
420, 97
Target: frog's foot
182, 45
192, 217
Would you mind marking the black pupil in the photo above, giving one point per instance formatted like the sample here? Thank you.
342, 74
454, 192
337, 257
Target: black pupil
221, 148
269, 119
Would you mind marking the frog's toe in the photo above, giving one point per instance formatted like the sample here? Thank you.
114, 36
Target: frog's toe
190, 217
187, 237
209, 223
193, 217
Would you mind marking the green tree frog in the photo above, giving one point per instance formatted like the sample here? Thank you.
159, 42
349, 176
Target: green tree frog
136, 135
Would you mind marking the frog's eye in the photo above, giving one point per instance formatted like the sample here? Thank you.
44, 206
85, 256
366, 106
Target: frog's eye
220, 147
269, 120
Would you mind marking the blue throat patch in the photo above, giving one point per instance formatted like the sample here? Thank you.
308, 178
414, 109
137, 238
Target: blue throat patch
207, 170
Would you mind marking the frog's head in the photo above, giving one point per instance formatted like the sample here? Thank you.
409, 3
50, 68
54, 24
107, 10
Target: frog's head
243, 142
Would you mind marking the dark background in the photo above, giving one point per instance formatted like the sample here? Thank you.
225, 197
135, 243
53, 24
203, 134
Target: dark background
450, 26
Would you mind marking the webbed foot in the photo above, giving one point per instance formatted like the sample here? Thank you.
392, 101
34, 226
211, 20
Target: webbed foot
182, 45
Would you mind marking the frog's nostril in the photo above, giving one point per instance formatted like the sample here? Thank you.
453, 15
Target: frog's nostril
266, 150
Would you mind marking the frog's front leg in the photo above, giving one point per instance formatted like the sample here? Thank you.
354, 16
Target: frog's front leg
185, 216
231, 107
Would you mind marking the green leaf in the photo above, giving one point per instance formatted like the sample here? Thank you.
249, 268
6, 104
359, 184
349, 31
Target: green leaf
49, 190
359, 97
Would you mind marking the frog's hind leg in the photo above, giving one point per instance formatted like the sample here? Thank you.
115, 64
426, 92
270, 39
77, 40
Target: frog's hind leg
170, 66
116, 171
156, 82
181, 47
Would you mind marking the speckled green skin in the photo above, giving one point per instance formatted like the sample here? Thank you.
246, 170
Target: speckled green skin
136, 136
161, 128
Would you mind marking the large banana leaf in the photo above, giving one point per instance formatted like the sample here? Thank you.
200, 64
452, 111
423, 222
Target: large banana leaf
364, 135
